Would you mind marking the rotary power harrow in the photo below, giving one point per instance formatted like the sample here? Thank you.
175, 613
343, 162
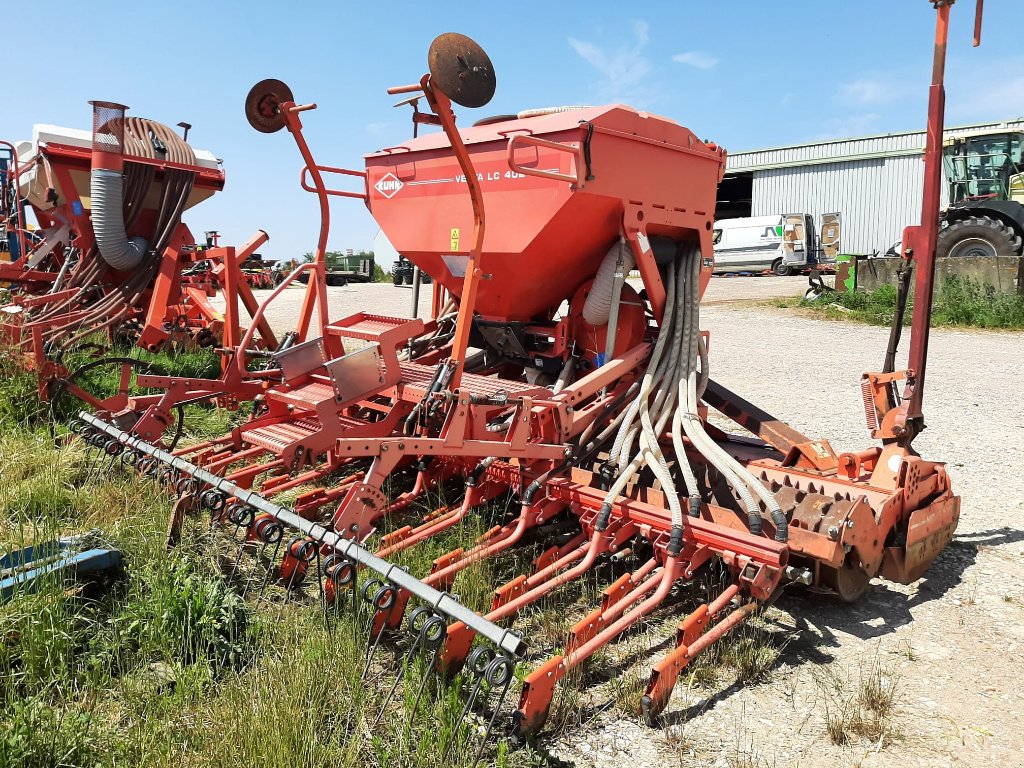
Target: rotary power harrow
545, 377
111, 254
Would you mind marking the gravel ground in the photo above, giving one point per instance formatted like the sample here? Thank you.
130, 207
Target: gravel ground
950, 645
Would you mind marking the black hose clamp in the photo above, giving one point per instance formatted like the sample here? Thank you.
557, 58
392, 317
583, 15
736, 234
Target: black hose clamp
695, 506
675, 541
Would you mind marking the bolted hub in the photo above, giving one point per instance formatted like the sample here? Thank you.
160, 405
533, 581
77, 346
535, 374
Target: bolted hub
461, 70
263, 102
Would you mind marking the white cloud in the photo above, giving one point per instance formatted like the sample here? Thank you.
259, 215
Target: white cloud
980, 98
624, 71
848, 127
696, 59
868, 91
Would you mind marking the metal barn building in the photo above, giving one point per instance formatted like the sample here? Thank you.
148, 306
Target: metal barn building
875, 182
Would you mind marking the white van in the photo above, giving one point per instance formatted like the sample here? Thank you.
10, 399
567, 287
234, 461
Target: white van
781, 242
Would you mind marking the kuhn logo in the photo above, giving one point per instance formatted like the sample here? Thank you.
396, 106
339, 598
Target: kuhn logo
388, 185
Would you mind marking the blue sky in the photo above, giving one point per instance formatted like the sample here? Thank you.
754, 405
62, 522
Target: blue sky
744, 73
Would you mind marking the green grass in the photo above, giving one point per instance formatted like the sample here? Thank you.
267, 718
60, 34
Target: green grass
957, 302
166, 665
865, 710
746, 655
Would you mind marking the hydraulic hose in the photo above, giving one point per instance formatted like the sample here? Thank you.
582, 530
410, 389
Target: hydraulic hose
670, 390
730, 468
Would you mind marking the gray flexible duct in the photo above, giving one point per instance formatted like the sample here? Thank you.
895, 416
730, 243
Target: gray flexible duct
116, 248
597, 308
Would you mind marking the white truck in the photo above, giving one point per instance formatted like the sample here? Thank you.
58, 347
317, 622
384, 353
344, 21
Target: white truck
784, 243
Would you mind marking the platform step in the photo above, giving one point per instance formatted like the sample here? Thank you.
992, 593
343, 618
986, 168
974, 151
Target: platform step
416, 378
369, 327
305, 397
275, 437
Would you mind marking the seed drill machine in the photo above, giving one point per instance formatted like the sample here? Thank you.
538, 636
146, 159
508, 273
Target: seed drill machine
545, 377
110, 251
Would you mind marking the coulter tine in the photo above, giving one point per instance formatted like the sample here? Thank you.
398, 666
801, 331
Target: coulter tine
593, 633
692, 638
523, 591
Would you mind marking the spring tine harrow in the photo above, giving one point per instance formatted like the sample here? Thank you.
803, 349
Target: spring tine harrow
315, 534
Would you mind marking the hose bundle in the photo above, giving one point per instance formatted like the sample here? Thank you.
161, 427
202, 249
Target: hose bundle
670, 392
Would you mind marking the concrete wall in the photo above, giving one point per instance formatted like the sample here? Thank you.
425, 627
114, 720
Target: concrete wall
1002, 272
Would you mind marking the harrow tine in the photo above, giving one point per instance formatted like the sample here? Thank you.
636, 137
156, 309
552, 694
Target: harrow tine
238, 559
268, 531
95, 456
432, 639
323, 593
297, 556
269, 572
479, 660
384, 598
499, 673
415, 627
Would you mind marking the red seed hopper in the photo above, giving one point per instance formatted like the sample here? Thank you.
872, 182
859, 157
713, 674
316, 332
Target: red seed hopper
619, 170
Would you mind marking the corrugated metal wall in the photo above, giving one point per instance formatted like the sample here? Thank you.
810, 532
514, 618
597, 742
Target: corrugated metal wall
874, 182
877, 198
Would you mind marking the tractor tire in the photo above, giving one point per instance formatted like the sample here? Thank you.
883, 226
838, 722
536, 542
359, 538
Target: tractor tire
978, 236
396, 278
780, 269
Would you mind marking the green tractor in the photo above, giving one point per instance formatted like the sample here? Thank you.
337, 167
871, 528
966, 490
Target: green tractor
403, 271
985, 216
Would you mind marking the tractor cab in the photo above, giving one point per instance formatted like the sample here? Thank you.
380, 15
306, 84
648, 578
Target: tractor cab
989, 166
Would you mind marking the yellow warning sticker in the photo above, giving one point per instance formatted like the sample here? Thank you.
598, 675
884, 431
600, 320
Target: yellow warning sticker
455, 238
